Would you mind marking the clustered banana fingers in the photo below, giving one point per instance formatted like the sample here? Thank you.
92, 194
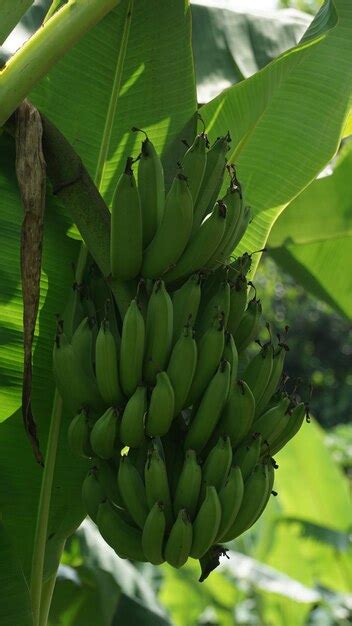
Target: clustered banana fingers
174, 410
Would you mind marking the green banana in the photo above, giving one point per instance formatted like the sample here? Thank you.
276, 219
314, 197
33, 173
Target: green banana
93, 494
78, 436
256, 492
276, 372
82, 343
106, 474
126, 227
123, 538
132, 349
157, 484
106, 366
185, 303
153, 534
272, 423
249, 325
181, 367
294, 423
73, 312
208, 412
178, 545
247, 455
230, 497
201, 246
206, 524
258, 371
212, 180
161, 407
230, 354
239, 267
75, 387
271, 477
217, 464
132, 422
238, 414
173, 232
188, 485
194, 163
238, 302
104, 435
151, 189
132, 490
159, 328
138, 456
219, 304
234, 218
210, 349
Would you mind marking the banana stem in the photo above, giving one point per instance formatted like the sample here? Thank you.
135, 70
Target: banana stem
43, 510
35, 58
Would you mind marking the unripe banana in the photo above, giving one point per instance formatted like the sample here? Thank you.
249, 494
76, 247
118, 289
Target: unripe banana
271, 477
132, 349
157, 484
247, 455
218, 305
188, 485
239, 267
132, 490
78, 436
294, 423
234, 218
201, 246
249, 325
82, 343
276, 372
123, 538
207, 523
237, 417
217, 464
138, 456
73, 312
153, 534
106, 366
230, 354
230, 497
209, 410
159, 328
151, 189
93, 494
185, 303
210, 349
75, 387
256, 492
104, 435
132, 422
272, 423
212, 181
106, 474
258, 371
173, 232
194, 164
238, 302
179, 543
161, 408
126, 227
182, 366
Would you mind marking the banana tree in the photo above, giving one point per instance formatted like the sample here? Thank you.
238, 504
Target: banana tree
93, 70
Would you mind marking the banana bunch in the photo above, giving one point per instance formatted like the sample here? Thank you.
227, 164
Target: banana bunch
179, 417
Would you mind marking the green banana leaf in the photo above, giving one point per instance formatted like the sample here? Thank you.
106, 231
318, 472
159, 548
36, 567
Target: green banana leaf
241, 43
157, 90
158, 94
11, 13
15, 605
276, 126
312, 239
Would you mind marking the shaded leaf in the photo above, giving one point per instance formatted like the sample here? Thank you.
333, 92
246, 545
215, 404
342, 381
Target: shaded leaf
11, 13
14, 596
339, 540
